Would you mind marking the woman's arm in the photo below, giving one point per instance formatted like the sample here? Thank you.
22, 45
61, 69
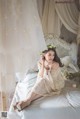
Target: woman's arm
41, 68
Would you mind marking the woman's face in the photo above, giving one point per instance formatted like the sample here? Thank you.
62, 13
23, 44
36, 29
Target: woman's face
49, 56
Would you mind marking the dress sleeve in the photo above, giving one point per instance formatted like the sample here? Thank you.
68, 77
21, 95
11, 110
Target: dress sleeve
61, 74
58, 79
39, 68
39, 65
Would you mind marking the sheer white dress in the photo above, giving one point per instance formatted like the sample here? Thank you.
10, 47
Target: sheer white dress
51, 83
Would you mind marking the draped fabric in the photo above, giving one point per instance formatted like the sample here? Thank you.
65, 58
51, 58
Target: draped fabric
55, 14
68, 15
40, 4
50, 20
21, 36
78, 36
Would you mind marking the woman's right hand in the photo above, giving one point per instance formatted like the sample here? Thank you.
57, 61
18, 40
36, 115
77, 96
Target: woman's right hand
42, 60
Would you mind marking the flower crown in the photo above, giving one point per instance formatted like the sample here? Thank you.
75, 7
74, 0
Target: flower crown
50, 46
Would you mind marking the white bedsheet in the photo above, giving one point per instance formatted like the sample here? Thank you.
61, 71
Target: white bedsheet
74, 98
63, 106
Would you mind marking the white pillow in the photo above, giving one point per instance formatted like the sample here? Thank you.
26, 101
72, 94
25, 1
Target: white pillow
20, 76
30, 76
30, 80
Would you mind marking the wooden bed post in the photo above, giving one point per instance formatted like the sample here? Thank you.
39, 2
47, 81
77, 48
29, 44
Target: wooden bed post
4, 107
3, 96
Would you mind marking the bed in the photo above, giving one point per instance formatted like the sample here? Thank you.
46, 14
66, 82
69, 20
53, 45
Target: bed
65, 105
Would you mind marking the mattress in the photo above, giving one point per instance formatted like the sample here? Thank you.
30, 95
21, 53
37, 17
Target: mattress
63, 106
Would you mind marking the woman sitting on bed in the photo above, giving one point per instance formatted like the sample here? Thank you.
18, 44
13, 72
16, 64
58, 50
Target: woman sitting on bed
50, 80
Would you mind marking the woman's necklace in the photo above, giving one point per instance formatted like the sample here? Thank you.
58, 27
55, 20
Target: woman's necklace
49, 63
48, 67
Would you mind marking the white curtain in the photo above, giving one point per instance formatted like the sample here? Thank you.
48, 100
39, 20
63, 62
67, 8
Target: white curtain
40, 4
50, 21
55, 14
68, 15
21, 36
22, 33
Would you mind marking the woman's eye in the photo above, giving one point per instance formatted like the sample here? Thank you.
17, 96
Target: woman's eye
51, 55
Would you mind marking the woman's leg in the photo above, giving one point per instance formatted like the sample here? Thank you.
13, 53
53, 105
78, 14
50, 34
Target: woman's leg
31, 97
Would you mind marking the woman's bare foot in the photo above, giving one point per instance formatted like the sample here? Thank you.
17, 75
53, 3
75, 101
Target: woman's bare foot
23, 104
15, 106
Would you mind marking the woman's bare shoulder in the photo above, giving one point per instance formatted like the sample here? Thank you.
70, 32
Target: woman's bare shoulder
56, 65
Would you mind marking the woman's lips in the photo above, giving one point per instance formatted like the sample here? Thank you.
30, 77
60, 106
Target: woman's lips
50, 59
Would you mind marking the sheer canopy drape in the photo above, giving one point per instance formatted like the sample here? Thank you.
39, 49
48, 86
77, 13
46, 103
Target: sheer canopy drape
50, 21
68, 15
21, 36
55, 14
78, 35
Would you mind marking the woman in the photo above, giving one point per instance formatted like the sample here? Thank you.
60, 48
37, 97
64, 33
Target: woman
49, 80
